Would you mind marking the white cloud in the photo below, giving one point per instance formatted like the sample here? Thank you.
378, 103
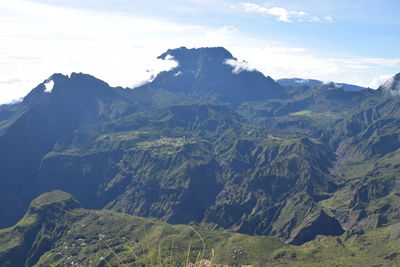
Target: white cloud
158, 65
48, 86
281, 13
238, 66
301, 81
380, 80
392, 86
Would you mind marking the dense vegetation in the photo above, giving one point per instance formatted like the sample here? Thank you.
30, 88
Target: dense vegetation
316, 166
57, 232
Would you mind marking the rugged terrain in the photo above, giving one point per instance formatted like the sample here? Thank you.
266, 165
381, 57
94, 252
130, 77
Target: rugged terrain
56, 231
208, 144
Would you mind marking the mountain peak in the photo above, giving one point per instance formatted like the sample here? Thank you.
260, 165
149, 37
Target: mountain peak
54, 200
60, 84
190, 58
76, 77
183, 52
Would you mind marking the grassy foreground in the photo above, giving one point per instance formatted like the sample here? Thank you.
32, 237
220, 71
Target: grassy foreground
57, 232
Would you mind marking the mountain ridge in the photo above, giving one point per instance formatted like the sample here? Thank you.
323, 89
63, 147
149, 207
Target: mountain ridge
299, 82
222, 149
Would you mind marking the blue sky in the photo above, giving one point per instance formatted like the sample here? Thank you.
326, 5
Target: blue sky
118, 40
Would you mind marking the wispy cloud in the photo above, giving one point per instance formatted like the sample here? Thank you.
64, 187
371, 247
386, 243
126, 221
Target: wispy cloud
329, 19
380, 80
160, 65
288, 62
10, 81
282, 14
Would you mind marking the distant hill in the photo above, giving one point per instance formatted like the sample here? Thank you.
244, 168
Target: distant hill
298, 82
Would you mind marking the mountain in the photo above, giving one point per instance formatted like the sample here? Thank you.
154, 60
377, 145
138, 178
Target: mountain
207, 144
204, 75
298, 82
56, 231
42, 118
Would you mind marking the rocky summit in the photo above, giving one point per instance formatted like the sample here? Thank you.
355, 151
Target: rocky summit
303, 173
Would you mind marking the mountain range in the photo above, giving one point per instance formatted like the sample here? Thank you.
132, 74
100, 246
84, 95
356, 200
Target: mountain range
298, 82
205, 144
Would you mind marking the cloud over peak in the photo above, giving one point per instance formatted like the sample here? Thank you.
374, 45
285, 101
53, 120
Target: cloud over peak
48, 86
238, 66
392, 85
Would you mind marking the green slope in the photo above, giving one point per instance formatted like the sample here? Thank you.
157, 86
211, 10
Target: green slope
57, 232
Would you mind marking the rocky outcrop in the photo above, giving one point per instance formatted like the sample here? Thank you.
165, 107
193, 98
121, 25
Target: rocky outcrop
318, 224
